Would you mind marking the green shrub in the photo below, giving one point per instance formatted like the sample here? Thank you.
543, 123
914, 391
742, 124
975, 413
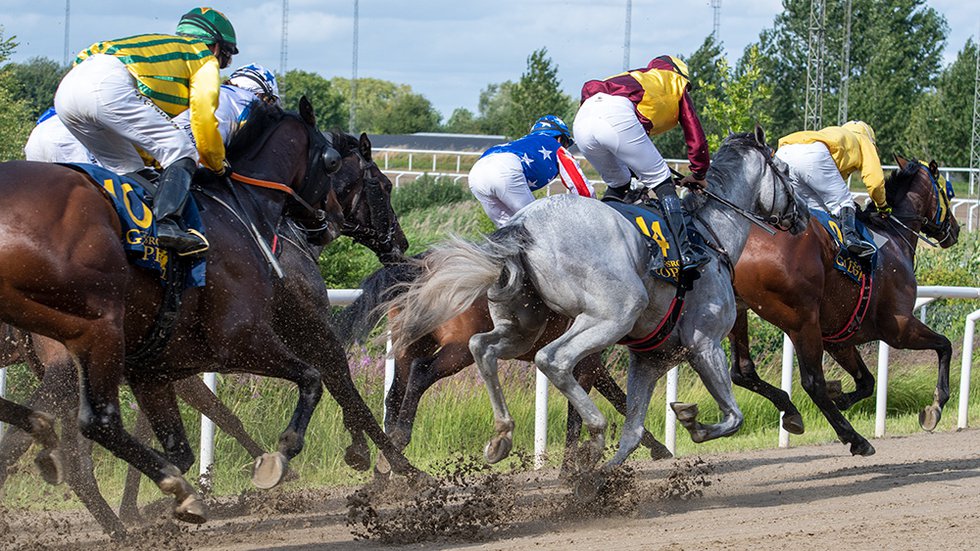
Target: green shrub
428, 191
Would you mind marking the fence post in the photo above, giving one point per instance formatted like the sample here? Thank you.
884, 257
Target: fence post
670, 419
540, 418
207, 429
881, 402
786, 383
965, 369
389, 378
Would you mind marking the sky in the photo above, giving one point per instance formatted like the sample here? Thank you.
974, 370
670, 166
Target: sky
447, 50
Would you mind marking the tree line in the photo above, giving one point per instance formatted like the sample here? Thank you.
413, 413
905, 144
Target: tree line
896, 82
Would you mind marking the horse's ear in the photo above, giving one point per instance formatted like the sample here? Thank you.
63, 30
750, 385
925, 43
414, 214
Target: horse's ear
364, 144
900, 161
306, 111
934, 167
760, 135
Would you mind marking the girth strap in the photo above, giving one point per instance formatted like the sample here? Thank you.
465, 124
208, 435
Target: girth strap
860, 310
663, 330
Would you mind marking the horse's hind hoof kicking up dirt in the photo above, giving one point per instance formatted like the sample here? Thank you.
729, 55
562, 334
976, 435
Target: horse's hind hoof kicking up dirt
49, 460
188, 506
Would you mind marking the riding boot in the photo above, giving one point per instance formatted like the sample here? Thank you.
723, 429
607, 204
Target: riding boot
692, 257
168, 208
617, 193
852, 239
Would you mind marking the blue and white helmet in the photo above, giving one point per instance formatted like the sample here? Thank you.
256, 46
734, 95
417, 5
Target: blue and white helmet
551, 125
256, 79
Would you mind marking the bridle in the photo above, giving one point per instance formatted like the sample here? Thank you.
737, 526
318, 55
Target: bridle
939, 226
372, 190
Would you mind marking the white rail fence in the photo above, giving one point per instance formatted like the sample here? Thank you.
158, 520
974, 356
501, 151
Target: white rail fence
925, 295
455, 165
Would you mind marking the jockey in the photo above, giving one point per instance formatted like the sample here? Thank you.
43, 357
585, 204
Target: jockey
612, 128
51, 142
504, 177
820, 160
122, 93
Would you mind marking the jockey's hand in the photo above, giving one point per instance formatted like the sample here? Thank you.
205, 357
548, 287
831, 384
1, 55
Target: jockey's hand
225, 169
884, 211
692, 183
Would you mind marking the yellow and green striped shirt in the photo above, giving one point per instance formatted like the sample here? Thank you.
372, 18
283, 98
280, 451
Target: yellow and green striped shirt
177, 73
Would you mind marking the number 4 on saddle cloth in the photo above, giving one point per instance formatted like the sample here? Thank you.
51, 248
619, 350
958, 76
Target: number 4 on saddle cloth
139, 228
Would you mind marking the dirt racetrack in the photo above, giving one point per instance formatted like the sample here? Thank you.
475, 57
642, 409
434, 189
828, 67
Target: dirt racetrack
917, 492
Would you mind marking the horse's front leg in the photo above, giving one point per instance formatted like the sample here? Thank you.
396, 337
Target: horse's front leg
915, 335
707, 358
40, 426
159, 404
864, 382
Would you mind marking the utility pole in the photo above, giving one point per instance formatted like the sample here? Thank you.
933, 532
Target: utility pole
283, 46
846, 65
626, 39
716, 8
353, 78
813, 108
67, 23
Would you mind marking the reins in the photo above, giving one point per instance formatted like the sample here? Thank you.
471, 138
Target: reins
756, 219
317, 213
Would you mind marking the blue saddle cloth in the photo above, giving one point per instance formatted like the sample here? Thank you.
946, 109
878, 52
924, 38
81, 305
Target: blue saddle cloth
660, 241
139, 228
846, 261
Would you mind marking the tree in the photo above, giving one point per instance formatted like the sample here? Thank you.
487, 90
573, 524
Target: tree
408, 112
462, 121
941, 124
738, 102
15, 114
35, 81
328, 103
376, 100
536, 94
496, 103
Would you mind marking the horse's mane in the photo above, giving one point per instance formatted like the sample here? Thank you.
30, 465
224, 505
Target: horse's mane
899, 181
344, 143
725, 162
261, 117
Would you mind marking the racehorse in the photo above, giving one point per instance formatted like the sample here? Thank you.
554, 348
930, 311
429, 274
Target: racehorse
362, 190
791, 282
445, 352
66, 276
583, 260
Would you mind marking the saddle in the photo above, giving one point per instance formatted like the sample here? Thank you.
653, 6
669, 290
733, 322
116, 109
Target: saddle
846, 262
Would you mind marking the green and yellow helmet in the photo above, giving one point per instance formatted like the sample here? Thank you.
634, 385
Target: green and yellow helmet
209, 25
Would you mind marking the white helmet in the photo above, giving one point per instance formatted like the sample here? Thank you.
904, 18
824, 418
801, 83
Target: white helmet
256, 79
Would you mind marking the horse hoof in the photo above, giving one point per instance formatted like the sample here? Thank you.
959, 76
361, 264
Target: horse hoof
862, 448
191, 510
659, 452
685, 412
834, 389
497, 449
50, 464
357, 457
793, 423
382, 468
586, 486
929, 418
269, 470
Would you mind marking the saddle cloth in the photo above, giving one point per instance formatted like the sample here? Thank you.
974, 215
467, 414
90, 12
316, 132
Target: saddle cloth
664, 253
846, 261
139, 229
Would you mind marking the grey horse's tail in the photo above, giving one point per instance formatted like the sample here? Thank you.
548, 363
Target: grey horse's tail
454, 275
354, 322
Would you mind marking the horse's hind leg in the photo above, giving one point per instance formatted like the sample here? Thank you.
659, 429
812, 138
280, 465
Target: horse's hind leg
129, 504
641, 379
864, 382
81, 479
744, 374
607, 386
915, 335
424, 372
40, 426
196, 394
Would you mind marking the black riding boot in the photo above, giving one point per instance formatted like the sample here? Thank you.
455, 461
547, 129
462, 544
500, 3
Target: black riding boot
692, 258
615, 192
168, 206
852, 239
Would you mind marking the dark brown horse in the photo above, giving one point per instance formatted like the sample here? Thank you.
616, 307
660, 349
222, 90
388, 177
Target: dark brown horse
445, 352
790, 281
66, 276
363, 190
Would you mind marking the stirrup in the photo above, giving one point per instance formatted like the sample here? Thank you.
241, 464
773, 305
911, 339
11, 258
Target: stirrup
184, 243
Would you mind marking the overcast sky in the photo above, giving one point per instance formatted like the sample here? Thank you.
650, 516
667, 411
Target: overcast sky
447, 50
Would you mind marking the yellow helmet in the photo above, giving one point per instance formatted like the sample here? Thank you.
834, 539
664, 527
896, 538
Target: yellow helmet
861, 128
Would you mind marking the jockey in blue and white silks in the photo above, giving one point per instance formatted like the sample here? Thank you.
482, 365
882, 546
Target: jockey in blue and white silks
504, 177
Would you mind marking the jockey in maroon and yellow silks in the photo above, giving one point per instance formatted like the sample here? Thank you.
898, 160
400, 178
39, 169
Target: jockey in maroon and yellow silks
661, 99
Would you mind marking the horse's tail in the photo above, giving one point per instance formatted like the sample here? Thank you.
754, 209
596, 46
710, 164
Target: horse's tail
454, 275
354, 322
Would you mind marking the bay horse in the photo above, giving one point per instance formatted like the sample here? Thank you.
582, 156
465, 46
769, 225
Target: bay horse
791, 282
445, 352
361, 190
601, 280
64, 275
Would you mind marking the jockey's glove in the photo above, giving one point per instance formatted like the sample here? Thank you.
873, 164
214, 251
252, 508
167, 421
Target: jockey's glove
884, 211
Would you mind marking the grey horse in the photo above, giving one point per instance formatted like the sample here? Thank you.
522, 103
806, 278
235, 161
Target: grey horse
580, 258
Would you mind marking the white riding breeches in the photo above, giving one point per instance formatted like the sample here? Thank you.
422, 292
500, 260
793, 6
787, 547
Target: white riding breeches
498, 181
610, 136
51, 142
815, 176
99, 104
